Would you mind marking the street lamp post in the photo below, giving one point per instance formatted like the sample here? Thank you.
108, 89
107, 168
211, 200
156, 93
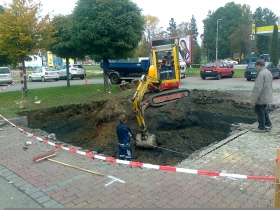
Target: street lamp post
217, 39
41, 55
252, 33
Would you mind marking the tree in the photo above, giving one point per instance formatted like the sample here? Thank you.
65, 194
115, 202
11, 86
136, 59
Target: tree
2, 9
151, 27
63, 45
23, 31
232, 16
274, 45
107, 29
5, 58
193, 29
197, 54
172, 28
143, 48
263, 17
183, 29
240, 40
152, 31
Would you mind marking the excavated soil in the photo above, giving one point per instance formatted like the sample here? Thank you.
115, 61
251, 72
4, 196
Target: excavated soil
181, 127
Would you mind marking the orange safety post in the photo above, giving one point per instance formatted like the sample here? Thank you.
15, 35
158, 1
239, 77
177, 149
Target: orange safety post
277, 181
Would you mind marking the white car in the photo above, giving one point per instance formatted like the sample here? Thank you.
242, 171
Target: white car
75, 70
231, 61
44, 73
5, 75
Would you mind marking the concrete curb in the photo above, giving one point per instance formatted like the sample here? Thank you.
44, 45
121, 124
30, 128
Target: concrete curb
19, 121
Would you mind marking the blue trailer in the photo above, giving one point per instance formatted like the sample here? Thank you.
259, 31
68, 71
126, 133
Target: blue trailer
247, 59
127, 71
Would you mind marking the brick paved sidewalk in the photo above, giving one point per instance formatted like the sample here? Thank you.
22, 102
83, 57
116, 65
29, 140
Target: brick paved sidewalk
54, 185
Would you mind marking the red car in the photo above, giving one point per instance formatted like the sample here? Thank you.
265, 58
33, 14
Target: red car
216, 69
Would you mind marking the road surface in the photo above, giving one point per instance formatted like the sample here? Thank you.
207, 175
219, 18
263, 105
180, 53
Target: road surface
189, 82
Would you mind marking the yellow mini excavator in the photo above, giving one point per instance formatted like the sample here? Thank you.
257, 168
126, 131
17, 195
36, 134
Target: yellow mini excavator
162, 82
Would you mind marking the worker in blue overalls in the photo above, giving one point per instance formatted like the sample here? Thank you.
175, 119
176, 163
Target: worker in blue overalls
124, 136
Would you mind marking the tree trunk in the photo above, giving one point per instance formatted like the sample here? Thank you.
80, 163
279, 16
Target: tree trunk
24, 81
106, 73
67, 72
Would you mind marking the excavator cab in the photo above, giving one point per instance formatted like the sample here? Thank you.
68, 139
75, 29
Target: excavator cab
165, 65
162, 82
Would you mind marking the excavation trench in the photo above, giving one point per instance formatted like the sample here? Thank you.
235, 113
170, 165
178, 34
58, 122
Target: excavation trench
184, 126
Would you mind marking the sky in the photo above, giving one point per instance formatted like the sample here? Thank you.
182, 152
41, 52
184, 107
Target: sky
180, 10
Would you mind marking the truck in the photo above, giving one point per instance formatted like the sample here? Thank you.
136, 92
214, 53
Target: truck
163, 86
265, 57
119, 70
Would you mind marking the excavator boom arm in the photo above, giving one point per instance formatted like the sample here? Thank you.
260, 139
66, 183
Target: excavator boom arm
138, 105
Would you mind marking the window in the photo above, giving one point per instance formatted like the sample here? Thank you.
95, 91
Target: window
209, 65
251, 66
4, 71
50, 69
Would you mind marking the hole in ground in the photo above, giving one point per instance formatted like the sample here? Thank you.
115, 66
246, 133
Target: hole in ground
181, 127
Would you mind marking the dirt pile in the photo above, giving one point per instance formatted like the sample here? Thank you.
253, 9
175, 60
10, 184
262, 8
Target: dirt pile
181, 127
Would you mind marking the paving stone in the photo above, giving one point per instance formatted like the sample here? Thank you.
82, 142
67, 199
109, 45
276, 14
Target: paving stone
3, 170
17, 179
37, 194
31, 190
12, 176
6, 174
64, 183
25, 187
49, 188
43, 199
50, 203
20, 183
56, 206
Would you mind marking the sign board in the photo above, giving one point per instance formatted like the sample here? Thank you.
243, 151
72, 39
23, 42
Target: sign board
185, 44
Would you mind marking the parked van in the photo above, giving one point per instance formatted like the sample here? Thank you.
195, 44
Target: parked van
5, 76
44, 73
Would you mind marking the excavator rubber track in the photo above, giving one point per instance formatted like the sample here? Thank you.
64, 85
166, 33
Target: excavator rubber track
165, 97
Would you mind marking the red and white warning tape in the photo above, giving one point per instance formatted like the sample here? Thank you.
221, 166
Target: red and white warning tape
144, 165
6, 87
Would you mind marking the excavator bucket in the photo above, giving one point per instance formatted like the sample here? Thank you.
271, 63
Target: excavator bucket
134, 83
147, 141
123, 86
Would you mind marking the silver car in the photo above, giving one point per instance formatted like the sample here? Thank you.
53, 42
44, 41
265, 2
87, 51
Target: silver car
44, 73
75, 71
5, 76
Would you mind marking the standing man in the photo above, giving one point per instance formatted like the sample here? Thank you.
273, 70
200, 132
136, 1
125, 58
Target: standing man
124, 136
262, 95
